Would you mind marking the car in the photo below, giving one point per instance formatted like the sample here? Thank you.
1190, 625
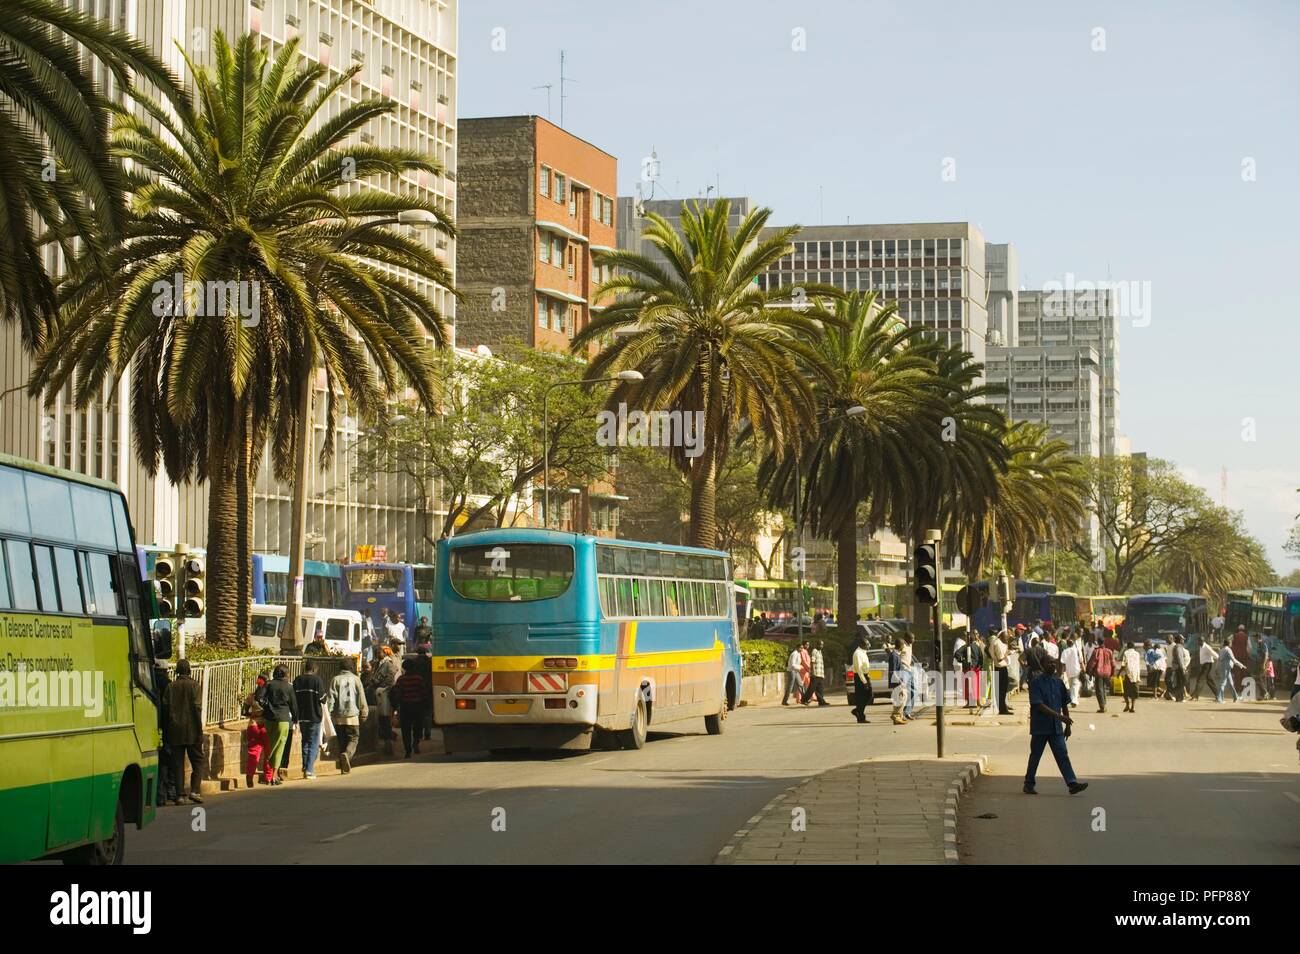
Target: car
879, 674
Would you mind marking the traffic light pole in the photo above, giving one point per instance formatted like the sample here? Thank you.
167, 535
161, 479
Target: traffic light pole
936, 620
179, 556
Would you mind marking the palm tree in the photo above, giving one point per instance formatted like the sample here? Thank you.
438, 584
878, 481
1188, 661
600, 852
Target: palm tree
861, 469
55, 170
1040, 496
248, 194
711, 344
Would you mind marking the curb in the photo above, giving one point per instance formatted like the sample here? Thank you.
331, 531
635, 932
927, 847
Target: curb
960, 783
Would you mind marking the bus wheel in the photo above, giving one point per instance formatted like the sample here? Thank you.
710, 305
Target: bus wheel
717, 724
106, 852
634, 738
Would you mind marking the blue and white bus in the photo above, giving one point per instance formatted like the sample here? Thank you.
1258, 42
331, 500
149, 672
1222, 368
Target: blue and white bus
545, 639
1033, 602
376, 589
322, 583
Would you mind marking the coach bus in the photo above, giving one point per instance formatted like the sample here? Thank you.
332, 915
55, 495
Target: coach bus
1237, 611
1163, 615
79, 704
545, 639
376, 589
322, 583
1109, 609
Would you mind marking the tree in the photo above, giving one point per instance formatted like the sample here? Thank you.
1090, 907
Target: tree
1144, 510
481, 447
1072, 573
711, 343
1292, 545
874, 361
57, 180
246, 261
1218, 556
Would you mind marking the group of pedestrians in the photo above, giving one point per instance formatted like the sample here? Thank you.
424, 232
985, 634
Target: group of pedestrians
805, 671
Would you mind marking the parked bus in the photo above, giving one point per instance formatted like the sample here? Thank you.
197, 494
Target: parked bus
1160, 616
375, 589
322, 583
546, 639
1108, 609
744, 604
1275, 616
1033, 601
1237, 611
78, 767
779, 599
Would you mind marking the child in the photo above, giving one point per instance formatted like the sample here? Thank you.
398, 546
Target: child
258, 742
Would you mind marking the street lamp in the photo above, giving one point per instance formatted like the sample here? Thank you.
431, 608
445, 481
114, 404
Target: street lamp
627, 376
856, 410
414, 218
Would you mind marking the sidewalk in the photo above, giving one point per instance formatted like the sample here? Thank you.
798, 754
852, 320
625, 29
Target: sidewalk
889, 810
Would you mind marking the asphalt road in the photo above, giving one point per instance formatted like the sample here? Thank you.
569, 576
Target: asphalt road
682, 797
1189, 783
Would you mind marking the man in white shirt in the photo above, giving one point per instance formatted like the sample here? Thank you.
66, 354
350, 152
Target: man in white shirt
1072, 670
1206, 657
395, 630
794, 677
1132, 677
1176, 675
862, 696
999, 654
1050, 647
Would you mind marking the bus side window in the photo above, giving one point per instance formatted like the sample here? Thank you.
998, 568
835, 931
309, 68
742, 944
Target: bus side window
21, 574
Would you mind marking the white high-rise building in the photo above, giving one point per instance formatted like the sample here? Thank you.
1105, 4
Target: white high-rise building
407, 51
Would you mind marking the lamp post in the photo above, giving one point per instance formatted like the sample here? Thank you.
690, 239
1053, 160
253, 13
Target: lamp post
415, 218
856, 410
546, 430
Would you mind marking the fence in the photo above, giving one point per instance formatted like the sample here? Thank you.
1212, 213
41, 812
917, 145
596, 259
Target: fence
224, 684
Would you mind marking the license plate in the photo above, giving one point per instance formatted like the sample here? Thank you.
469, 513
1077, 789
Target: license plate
508, 708
876, 673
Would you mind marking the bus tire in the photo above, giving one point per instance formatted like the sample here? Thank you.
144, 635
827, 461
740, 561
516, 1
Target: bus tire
107, 852
634, 738
717, 724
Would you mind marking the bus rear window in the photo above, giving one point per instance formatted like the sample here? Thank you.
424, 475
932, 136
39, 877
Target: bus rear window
374, 580
511, 572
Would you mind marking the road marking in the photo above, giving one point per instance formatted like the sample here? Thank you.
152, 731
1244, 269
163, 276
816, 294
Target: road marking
354, 831
1293, 796
598, 761
1252, 790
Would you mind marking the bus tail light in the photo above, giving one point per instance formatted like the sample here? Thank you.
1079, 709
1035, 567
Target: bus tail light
558, 703
462, 663
466, 703
560, 662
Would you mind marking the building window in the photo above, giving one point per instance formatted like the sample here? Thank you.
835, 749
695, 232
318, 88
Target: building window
544, 181
544, 247
541, 311
561, 189
557, 251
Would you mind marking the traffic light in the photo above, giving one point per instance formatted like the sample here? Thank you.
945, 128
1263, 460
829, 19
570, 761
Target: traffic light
926, 576
971, 599
192, 587
1005, 591
164, 575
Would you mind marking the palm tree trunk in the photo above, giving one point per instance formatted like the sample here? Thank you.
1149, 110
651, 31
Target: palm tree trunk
704, 502
223, 521
245, 476
846, 572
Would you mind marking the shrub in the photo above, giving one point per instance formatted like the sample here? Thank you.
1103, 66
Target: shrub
763, 656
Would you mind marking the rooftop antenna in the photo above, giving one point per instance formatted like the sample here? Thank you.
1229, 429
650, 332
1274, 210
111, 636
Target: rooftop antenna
547, 87
563, 79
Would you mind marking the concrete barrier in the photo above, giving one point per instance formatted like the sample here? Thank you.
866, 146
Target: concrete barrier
770, 686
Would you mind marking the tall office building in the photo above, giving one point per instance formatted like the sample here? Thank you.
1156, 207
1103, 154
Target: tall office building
407, 51
1057, 386
1080, 319
632, 220
935, 271
536, 205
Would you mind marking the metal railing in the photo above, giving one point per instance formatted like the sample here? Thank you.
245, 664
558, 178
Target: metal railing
224, 684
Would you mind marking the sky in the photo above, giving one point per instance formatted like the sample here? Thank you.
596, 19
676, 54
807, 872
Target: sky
1154, 143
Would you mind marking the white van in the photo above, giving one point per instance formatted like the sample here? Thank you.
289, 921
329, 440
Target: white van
342, 627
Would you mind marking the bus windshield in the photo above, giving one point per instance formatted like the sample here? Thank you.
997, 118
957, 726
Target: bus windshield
512, 572
1156, 618
374, 580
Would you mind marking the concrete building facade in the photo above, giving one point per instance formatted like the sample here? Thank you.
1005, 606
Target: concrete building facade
407, 51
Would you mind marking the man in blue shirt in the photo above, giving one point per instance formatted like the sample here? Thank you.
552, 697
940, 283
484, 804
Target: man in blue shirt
1049, 720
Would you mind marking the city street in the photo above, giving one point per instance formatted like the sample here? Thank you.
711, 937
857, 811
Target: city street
1180, 783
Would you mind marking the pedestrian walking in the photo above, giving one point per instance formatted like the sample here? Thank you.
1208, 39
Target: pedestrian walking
348, 709
817, 686
1132, 672
909, 668
410, 694
1157, 666
183, 731
395, 630
1101, 667
862, 695
999, 656
970, 658
310, 691
280, 708
1176, 676
897, 683
424, 669
1227, 667
423, 634
1072, 670
386, 676
1207, 656
1049, 722
794, 677
805, 668
1267, 675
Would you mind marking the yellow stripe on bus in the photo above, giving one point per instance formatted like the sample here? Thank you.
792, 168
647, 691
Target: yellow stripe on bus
589, 663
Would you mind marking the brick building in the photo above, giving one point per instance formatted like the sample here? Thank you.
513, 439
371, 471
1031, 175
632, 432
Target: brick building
535, 203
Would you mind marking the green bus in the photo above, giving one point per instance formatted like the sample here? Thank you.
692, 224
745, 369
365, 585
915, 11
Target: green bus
78, 699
